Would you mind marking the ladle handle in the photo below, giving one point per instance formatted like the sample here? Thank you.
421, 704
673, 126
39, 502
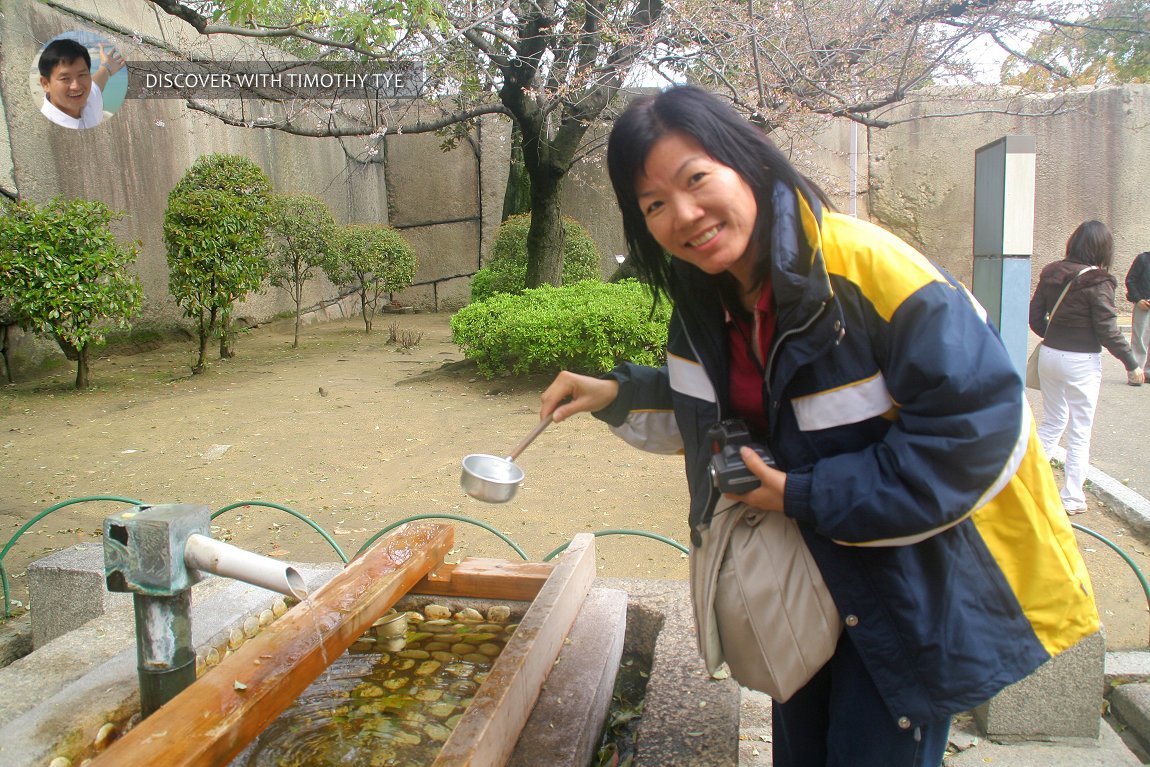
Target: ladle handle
543, 424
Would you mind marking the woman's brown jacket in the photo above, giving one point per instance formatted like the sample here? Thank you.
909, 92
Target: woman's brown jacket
1086, 319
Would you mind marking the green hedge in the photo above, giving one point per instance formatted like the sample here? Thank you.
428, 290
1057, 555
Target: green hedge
506, 268
587, 327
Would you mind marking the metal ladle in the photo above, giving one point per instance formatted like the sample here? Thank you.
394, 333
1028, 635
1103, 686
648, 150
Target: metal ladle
493, 479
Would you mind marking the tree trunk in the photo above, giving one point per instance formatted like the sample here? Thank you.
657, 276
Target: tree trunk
547, 156
545, 237
297, 294
205, 333
363, 307
5, 351
227, 338
517, 196
76, 354
82, 378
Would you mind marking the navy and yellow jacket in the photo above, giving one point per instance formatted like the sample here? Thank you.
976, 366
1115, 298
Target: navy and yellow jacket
913, 467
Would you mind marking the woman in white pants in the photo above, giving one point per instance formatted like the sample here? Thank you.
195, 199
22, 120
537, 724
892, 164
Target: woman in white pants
1070, 362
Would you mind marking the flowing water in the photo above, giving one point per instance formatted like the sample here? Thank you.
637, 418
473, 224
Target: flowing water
388, 700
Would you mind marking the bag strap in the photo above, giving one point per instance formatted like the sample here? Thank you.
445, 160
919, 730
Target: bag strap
1050, 317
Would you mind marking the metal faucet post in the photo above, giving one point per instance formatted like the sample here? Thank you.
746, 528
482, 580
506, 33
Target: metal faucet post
157, 553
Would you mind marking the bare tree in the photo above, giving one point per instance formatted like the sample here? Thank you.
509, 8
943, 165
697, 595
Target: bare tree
554, 67
787, 60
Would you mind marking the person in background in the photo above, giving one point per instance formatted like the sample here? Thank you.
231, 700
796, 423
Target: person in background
1070, 360
73, 94
904, 446
1138, 293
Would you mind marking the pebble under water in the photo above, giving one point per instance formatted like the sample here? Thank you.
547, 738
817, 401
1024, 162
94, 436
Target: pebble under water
389, 700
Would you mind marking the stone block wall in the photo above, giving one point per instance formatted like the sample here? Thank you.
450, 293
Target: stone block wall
133, 159
1092, 161
915, 178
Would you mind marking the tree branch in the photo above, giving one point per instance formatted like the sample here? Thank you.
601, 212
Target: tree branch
204, 26
343, 131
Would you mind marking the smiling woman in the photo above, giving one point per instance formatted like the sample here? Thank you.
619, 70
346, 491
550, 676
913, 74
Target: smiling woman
80, 79
818, 336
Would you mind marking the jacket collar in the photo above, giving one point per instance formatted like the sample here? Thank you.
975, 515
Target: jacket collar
801, 282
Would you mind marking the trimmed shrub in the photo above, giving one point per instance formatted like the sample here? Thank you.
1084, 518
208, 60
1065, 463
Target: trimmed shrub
65, 274
214, 228
587, 327
371, 259
300, 237
506, 269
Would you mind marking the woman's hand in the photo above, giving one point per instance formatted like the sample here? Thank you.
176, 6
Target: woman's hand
768, 496
571, 393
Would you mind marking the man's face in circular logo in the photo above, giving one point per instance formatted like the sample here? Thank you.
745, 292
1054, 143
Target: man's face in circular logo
68, 86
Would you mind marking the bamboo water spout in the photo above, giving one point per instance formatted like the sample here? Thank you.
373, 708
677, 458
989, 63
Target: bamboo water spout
216, 717
223, 559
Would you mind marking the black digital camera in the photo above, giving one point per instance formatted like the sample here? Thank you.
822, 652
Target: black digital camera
728, 471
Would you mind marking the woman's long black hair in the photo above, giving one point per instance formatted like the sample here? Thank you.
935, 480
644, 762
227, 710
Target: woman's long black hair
726, 136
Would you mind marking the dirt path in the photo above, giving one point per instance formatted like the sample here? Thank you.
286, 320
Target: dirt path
356, 433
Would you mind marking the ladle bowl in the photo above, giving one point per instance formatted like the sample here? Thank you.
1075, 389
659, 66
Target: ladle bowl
493, 479
490, 478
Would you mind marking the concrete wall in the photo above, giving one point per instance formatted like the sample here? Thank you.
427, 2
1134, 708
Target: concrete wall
133, 159
1093, 161
916, 178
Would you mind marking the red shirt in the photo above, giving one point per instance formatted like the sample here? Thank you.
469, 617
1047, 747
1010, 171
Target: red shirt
747, 367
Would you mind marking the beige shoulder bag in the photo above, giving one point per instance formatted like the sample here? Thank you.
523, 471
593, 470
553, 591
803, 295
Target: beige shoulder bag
760, 601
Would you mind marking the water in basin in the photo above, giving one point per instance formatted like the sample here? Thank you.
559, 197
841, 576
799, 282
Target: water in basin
389, 700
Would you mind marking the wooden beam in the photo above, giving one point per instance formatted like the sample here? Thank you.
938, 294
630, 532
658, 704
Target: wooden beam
486, 579
486, 734
217, 716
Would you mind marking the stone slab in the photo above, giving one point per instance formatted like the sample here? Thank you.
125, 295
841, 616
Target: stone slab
443, 295
494, 168
564, 726
66, 590
444, 249
427, 185
1107, 750
1131, 703
335, 309
690, 719
1127, 666
1075, 679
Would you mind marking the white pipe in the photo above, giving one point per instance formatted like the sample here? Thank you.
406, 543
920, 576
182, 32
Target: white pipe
210, 555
